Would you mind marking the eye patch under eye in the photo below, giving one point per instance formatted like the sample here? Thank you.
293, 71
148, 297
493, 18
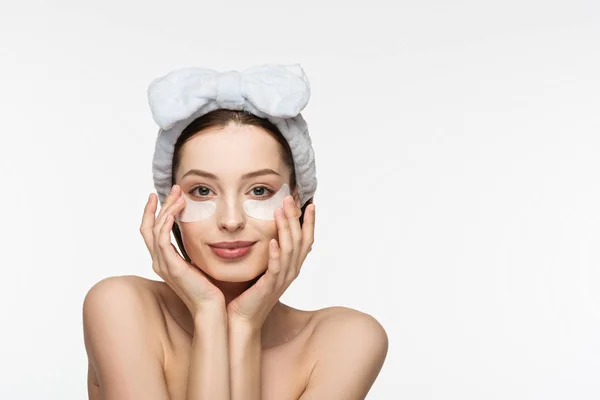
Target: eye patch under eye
265, 209
255, 208
195, 210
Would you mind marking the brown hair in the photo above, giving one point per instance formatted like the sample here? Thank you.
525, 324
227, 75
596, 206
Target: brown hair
221, 118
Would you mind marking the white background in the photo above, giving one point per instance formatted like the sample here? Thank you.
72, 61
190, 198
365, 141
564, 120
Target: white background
457, 150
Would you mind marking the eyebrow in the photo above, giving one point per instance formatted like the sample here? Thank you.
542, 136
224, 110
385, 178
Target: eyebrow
199, 172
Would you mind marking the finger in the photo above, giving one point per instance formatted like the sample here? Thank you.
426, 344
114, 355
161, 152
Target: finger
148, 222
171, 209
293, 218
174, 264
171, 197
308, 234
157, 232
293, 214
308, 229
160, 267
286, 246
284, 234
272, 277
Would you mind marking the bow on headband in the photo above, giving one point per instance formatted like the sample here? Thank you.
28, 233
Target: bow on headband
280, 91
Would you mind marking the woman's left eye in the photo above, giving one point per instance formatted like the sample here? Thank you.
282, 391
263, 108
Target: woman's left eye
260, 191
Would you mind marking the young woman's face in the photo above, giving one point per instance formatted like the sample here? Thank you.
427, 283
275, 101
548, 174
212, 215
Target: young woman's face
228, 154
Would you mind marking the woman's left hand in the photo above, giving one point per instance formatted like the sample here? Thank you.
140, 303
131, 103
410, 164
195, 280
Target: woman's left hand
285, 260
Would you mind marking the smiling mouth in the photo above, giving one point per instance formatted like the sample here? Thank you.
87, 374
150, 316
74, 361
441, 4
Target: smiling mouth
231, 253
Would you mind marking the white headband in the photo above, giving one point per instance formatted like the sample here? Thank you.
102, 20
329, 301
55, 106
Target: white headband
275, 92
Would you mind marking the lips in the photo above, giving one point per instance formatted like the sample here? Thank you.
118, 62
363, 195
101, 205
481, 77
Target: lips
232, 250
231, 245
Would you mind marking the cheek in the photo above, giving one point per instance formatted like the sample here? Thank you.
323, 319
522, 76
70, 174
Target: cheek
266, 229
193, 233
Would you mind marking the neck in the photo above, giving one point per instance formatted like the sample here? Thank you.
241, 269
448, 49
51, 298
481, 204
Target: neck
275, 322
231, 290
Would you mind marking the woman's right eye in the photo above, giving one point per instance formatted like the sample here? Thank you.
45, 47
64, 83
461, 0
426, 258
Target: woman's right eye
203, 191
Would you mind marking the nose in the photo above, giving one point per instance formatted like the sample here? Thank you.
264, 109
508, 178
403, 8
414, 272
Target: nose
231, 216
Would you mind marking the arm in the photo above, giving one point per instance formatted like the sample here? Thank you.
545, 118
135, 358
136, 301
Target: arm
351, 350
208, 369
92, 385
123, 351
208, 374
248, 312
245, 355
128, 359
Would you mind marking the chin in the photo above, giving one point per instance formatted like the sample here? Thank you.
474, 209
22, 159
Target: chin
243, 269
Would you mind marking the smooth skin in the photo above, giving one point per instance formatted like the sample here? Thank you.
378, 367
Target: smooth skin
182, 339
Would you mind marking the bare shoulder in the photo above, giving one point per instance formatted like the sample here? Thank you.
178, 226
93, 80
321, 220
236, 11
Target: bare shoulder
349, 349
127, 290
145, 291
340, 323
147, 294
120, 319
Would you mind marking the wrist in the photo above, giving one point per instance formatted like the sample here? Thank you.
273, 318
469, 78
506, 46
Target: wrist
241, 326
210, 311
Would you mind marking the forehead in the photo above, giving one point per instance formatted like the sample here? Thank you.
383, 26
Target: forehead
233, 149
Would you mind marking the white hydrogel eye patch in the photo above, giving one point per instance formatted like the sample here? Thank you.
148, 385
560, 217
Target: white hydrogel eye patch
259, 209
265, 209
196, 210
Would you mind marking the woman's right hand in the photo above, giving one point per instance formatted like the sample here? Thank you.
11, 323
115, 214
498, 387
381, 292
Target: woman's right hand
188, 281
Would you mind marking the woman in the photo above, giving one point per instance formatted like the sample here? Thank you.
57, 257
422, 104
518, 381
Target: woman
234, 171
